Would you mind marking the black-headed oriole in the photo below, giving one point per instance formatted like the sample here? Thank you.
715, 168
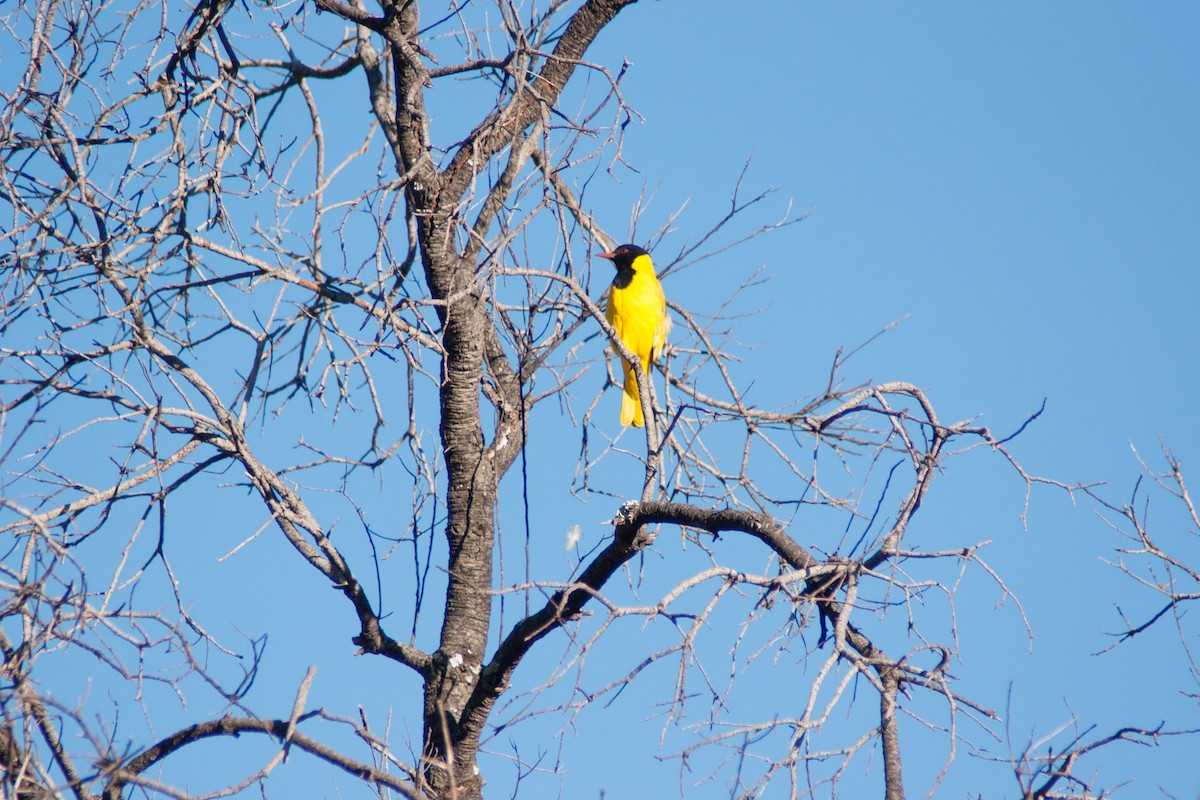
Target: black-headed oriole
637, 309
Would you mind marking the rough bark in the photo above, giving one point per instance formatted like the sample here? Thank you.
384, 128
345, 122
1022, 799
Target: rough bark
470, 345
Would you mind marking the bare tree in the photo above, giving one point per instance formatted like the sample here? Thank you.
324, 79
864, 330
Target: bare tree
266, 251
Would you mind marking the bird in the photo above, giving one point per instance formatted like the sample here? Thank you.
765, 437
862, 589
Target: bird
637, 310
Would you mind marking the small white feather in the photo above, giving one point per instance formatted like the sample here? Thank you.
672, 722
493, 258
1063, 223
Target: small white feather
574, 534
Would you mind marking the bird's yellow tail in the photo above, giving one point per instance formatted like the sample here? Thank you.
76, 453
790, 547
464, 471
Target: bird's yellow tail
631, 404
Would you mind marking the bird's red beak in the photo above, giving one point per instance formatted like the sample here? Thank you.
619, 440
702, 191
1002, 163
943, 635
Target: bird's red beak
609, 256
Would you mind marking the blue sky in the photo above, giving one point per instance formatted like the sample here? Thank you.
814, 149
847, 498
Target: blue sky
1021, 183
1018, 182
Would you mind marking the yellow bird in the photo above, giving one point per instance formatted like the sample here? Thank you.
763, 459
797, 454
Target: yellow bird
637, 309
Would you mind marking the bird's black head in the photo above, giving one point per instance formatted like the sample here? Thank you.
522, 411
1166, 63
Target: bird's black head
624, 256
